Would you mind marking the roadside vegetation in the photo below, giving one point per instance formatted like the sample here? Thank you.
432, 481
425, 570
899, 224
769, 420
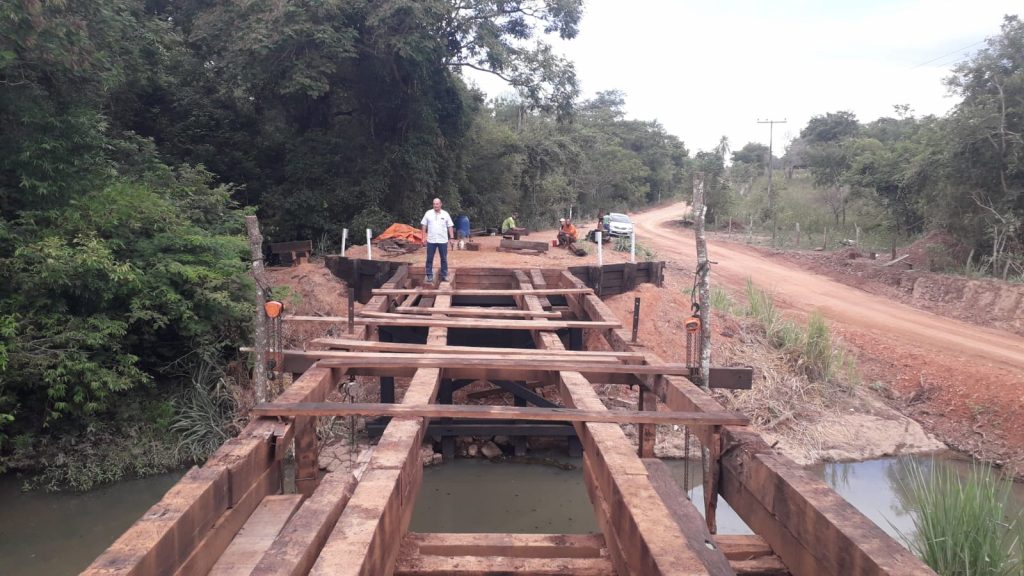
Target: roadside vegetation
897, 178
810, 372
962, 525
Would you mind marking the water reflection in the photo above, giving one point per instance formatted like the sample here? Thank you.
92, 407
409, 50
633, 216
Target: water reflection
54, 534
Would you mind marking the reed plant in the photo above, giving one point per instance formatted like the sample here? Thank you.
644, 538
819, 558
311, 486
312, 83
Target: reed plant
720, 300
961, 525
206, 413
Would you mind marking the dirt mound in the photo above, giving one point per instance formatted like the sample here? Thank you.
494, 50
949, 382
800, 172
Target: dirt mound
937, 250
309, 290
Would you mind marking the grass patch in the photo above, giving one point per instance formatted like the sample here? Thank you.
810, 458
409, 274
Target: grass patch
720, 300
643, 253
813, 350
962, 526
207, 413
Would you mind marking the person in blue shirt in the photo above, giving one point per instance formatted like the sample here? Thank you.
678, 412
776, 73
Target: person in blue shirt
439, 229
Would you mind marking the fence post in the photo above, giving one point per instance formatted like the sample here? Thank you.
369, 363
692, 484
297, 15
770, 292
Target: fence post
369, 245
600, 249
632, 247
344, 240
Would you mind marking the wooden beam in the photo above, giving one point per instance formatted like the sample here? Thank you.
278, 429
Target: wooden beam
634, 517
502, 566
333, 409
256, 535
471, 292
480, 312
540, 362
811, 528
507, 545
368, 535
474, 323
204, 553
296, 548
349, 344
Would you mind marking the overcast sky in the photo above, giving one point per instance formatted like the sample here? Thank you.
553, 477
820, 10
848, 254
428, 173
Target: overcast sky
713, 68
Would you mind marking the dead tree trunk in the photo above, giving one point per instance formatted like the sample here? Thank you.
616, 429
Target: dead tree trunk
259, 372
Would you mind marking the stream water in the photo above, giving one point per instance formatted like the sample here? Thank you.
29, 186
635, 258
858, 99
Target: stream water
55, 534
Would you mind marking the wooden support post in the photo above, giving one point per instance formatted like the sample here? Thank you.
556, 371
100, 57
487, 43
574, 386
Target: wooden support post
444, 396
344, 240
259, 372
647, 434
636, 318
600, 248
351, 310
369, 244
519, 442
387, 383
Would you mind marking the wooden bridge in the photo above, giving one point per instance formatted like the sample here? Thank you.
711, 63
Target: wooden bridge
230, 516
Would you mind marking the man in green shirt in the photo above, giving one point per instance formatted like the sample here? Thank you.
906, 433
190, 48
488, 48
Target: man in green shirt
509, 223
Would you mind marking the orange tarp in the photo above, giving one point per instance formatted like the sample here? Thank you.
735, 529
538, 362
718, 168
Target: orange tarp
402, 232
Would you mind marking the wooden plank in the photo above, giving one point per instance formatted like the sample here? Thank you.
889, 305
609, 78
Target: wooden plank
689, 520
481, 312
349, 344
507, 244
742, 546
204, 554
459, 292
368, 535
296, 548
647, 434
482, 412
489, 324
162, 539
256, 535
502, 566
540, 362
810, 527
295, 246
507, 545
647, 535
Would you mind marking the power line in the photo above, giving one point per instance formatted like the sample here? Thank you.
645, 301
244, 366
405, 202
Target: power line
957, 51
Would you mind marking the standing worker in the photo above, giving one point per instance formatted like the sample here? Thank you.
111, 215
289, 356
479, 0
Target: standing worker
439, 229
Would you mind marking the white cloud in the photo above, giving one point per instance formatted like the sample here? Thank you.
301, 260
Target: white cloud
713, 68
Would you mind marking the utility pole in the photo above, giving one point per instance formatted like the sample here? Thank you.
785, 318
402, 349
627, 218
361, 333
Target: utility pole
771, 157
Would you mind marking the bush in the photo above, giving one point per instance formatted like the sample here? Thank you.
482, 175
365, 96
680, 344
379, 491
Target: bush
961, 526
207, 413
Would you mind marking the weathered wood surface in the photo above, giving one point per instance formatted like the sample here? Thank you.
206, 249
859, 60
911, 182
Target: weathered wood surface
348, 344
481, 312
296, 548
686, 516
470, 292
325, 409
507, 244
368, 535
256, 535
405, 320
641, 535
507, 545
810, 527
294, 246
543, 363
205, 552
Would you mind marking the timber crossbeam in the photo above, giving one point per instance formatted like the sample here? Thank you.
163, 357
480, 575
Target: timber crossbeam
327, 409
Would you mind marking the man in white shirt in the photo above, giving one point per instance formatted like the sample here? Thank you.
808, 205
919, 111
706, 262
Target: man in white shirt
438, 227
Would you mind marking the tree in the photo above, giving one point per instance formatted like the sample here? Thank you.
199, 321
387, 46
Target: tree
832, 127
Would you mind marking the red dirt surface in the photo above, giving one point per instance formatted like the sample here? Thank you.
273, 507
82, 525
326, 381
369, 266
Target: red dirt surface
963, 382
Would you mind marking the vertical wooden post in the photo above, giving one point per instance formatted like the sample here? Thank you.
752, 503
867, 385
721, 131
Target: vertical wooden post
797, 234
824, 241
369, 244
647, 434
600, 249
351, 310
856, 242
259, 372
893, 257
632, 247
344, 240
636, 318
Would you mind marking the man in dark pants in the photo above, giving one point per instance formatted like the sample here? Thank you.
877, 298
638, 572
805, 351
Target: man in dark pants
438, 228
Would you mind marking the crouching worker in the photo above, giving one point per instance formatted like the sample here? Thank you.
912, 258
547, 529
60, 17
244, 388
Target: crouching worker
566, 232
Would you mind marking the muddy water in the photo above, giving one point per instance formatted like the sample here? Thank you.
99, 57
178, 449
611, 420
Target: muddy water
54, 534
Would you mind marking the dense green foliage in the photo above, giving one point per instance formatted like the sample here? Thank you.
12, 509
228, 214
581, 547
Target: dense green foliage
962, 173
137, 134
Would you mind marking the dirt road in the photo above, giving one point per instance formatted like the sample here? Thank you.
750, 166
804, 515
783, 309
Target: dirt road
964, 380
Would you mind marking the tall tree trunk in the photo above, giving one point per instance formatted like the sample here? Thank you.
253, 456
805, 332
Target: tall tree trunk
259, 372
